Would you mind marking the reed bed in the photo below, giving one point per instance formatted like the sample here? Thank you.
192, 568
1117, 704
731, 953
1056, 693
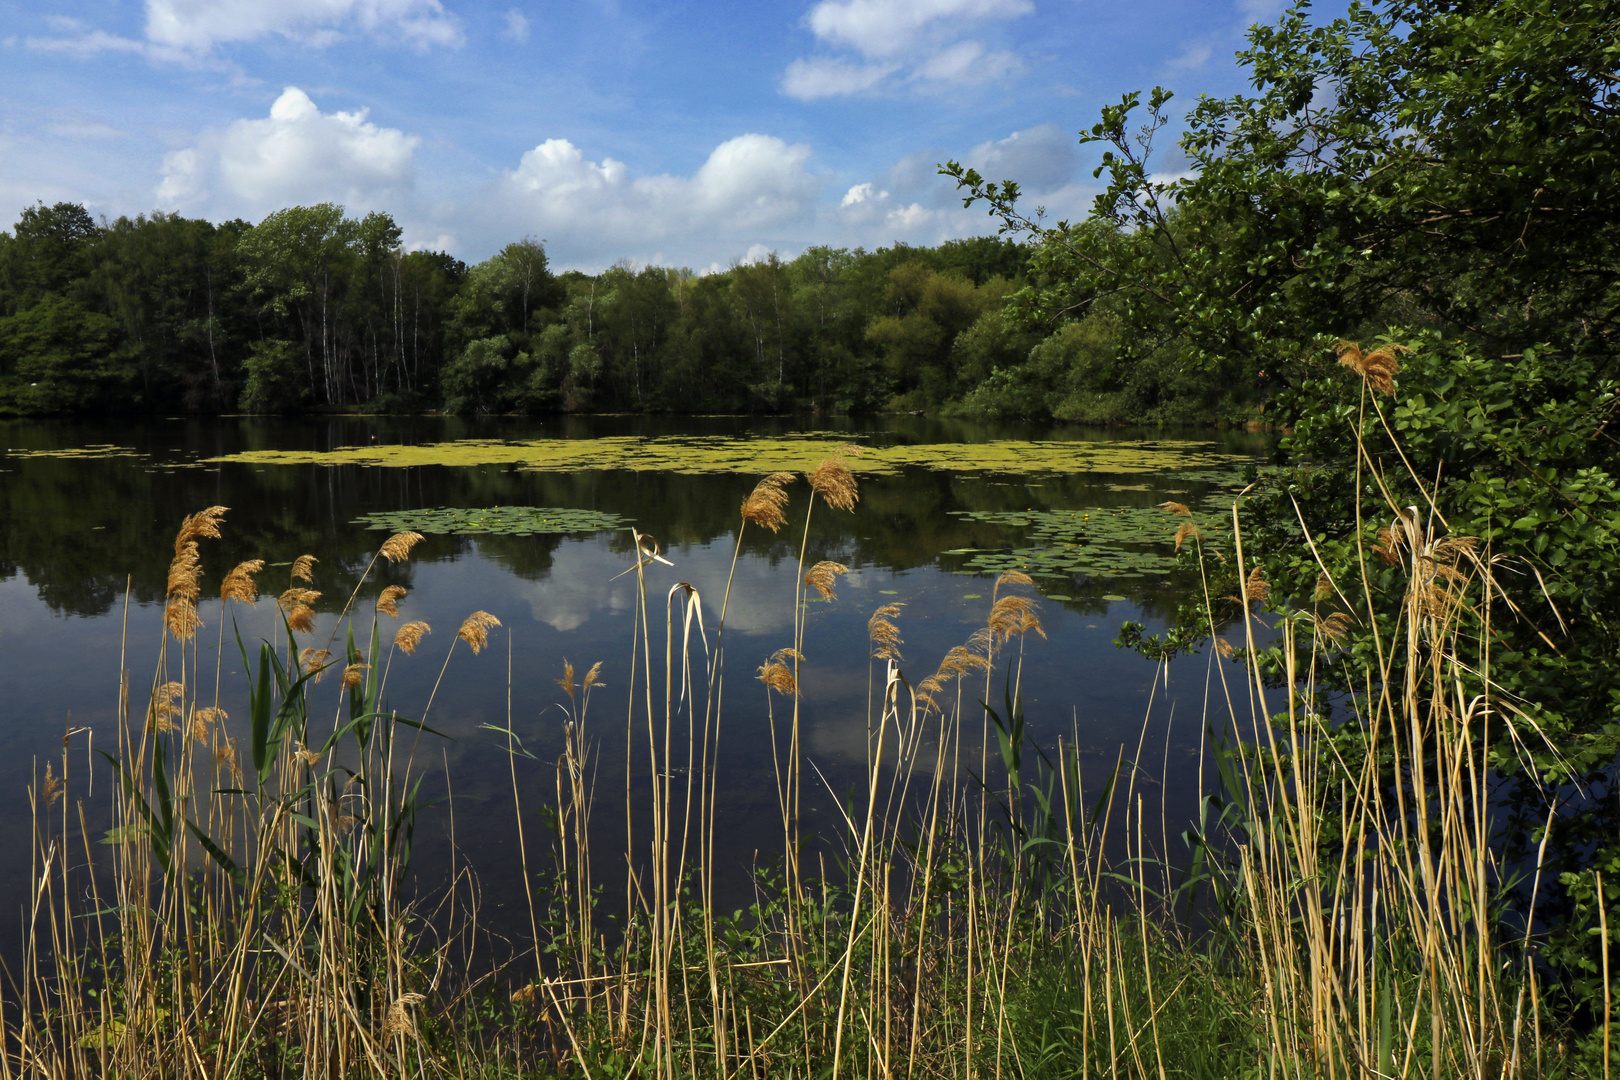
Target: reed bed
1334, 915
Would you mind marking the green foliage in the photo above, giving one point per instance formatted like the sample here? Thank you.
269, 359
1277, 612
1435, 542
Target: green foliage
56, 357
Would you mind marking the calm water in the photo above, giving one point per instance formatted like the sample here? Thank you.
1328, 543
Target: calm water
80, 534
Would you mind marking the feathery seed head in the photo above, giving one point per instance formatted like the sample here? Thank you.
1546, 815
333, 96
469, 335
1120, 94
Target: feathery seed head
777, 675
355, 675
180, 618
764, 504
1224, 647
239, 584
1377, 368
295, 596
398, 1021
1179, 509
1014, 616
1187, 531
475, 630
1257, 588
409, 635
303, 568
51, 788
314, 661
593, 676
227, 754
836, 485
1387, 545
883, 634
388, 602
301, 617
203, 524
1335, 626
567, 680
822, 576
185, 571
397, 548
306, 755
1324, 587
1009, 577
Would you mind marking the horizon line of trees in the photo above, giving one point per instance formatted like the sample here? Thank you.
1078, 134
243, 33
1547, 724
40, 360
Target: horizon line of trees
311, 310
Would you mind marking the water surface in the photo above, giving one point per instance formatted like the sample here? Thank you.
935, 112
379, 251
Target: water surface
88, 514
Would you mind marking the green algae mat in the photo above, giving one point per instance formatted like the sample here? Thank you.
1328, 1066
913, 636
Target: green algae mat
493, 521
719, 454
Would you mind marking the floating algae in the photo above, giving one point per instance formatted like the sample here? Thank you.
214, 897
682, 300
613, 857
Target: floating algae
751, 456
100, 450
1100, 542
493, 520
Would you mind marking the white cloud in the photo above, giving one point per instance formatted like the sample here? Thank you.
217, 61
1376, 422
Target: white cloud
1040, 158
967, 62
889, 35
889, 27
199, 25
517, 26
748, 183
862, 193
825, 76
1194, 56
296, 155
908, 218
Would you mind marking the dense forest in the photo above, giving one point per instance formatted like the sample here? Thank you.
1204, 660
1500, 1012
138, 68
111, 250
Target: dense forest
311, 309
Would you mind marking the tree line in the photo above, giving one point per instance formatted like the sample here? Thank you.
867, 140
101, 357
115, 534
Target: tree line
312, 309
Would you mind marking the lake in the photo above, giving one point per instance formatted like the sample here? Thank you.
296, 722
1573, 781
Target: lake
88, 514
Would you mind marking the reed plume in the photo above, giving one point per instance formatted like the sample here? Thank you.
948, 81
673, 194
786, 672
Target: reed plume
388, 602
592, 676
1187, 531
475, 630
167, 703
764, 504
408, 636
313, 661
1377, 368
777, 675
203, 525
239, 584
823, 576
836, 485
397, 548
567, 680
1014, 616
883, 634
303, 569
1179, 509
355, 675
1257, 588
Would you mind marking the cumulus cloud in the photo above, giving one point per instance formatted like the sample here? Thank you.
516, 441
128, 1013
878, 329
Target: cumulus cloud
748, 183
1041, 158
969, 62
202, 24
186, 29
891, 35
297, 154
825, 76
889, 27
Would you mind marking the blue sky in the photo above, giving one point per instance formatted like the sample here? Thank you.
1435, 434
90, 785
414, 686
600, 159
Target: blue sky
690, 133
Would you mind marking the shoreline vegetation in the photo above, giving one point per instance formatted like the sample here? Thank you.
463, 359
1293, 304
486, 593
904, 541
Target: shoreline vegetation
1332, 913
1408, 853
